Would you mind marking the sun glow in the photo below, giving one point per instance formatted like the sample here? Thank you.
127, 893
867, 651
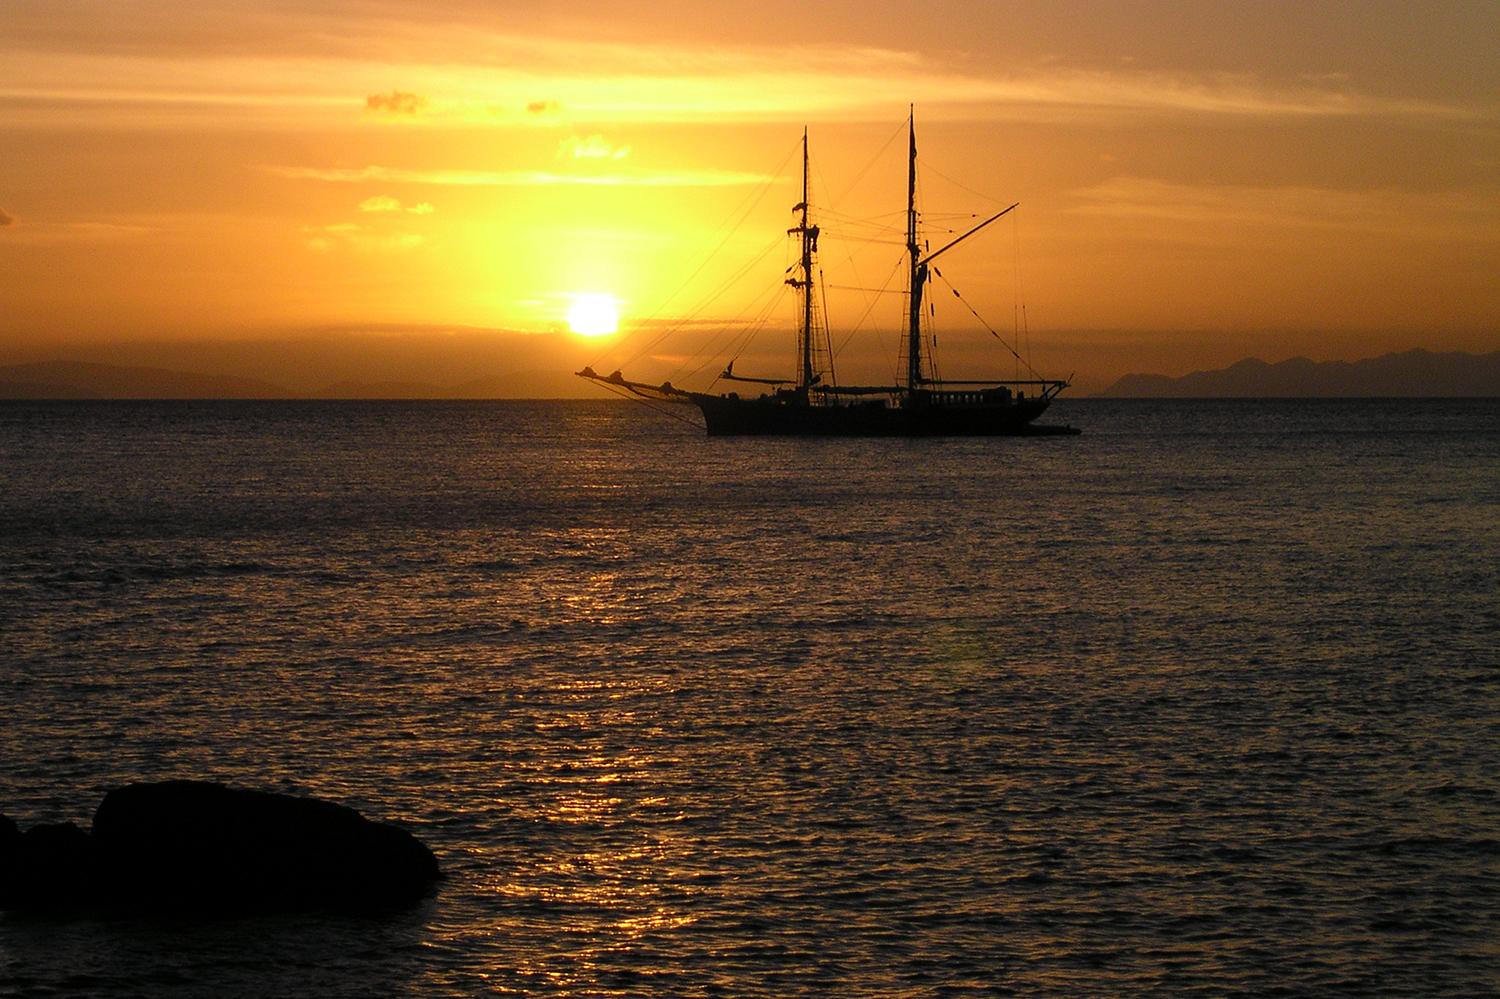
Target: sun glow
593, 315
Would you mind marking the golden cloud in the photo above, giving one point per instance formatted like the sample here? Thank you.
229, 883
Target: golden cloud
524, 178
481, 76
397, 102
324, 239
595, 147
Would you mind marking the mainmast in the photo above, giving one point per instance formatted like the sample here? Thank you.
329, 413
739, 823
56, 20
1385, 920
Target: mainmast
918, 276
808, 234
919, 265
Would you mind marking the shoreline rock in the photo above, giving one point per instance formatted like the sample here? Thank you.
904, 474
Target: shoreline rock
200, 846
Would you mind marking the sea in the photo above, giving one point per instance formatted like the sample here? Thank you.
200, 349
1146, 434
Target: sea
1202, 702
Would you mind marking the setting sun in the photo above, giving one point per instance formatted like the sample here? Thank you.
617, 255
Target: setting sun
593, 315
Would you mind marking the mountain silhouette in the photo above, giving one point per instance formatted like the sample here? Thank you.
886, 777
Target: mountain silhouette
88, 380
1410, 373
91, 380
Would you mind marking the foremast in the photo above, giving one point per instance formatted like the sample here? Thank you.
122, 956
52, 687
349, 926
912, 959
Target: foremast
807, 234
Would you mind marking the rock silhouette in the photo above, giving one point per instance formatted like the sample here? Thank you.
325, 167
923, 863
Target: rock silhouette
202, 846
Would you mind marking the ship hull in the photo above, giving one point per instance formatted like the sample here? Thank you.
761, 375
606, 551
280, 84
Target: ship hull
728, 416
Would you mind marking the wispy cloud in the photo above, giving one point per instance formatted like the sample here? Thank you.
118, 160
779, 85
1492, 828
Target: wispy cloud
327, 238
385, 203
380, 203
396, 102
6, 218
82, 232
523, 178
594, 147
1232, 212
498, 79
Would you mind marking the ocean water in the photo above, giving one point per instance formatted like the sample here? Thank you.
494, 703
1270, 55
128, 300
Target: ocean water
1203, 702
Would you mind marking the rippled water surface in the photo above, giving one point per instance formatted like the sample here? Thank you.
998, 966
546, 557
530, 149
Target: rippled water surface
1203, 702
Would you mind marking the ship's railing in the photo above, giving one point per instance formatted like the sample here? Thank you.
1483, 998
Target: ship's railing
938, 391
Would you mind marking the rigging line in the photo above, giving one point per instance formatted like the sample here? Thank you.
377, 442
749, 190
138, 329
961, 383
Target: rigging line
849, 261
1015, 258
650, 404
987, 326
1026, 328
730, 338
758, 196
870, 301
754, 198
738, 343
871, 241
706, 301
861, 219
859, 324
963, 187
713, 295
895, 226
735, 342
929, 328
858, 222
900, 130
736, 277
1015, 230
897, 214
827, 333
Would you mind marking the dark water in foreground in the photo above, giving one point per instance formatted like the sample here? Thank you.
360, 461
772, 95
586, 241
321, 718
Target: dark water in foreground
1203, 702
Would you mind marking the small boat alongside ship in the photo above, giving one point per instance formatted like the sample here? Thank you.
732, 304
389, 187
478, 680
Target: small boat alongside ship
811, 403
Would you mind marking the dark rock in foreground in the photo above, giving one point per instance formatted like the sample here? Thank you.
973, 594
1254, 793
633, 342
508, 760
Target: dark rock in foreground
206, 847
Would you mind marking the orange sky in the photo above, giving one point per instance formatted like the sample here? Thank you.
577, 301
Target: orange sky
1198, 181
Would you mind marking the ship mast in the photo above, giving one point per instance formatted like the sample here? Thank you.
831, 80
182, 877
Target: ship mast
919, 265
808, 234
918, 276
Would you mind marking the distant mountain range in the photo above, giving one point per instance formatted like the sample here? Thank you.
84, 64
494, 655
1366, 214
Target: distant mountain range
89, 380
86, 380
1412, 373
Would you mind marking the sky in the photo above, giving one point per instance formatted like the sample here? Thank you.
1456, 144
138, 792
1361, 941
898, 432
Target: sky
1198, 182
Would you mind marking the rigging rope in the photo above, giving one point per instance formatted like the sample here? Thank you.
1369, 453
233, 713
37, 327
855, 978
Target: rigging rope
650, 404
705, 302
754, 198
987, 326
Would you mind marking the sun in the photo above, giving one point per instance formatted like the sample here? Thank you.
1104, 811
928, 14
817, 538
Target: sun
593, 315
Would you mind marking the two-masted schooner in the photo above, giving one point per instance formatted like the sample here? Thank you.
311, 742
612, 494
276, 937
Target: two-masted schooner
811, 404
